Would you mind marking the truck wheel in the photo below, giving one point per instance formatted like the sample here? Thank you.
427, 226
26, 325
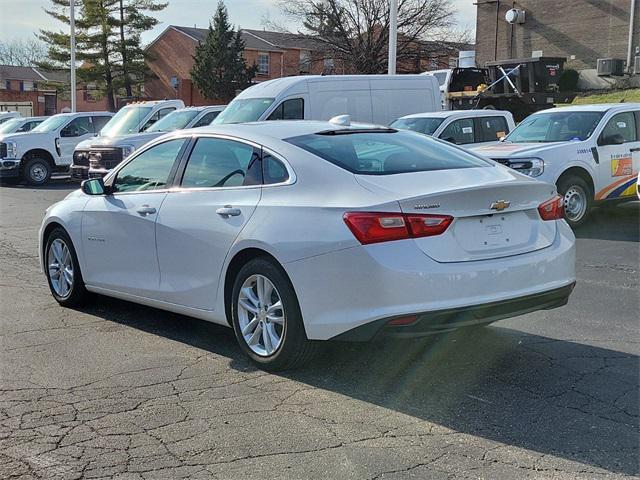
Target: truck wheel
36, 171
578, 199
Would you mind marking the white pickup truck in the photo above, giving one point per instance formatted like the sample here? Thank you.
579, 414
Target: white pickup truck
48, 148
102, 157
590, 152
130, 119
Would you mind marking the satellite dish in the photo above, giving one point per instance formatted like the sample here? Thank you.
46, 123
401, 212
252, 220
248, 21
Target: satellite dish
515, 15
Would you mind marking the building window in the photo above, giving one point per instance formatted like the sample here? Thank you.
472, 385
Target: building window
305, 61
263, 64
7, 84
21, 86
328, 63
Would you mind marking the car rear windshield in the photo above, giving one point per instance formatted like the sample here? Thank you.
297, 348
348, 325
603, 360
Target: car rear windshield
174, 121
385, 152
244, 110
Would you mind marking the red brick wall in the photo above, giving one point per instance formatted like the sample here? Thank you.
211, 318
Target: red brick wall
17, 96
84, 103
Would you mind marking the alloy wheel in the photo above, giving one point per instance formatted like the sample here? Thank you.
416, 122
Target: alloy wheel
60, 268
575, 203
261, 315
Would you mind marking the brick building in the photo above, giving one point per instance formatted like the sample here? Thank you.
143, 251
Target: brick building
276, 55
580, 30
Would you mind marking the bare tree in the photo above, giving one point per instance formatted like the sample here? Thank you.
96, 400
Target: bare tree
356, 32
22, 53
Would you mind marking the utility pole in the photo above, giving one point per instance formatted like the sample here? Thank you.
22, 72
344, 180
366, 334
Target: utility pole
393, 35
72, 23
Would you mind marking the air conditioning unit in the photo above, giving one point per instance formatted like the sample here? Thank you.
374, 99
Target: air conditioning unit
636, 65
610, 66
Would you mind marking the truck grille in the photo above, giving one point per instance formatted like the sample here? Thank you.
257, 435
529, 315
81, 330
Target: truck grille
106, 158
3, 150
81, 158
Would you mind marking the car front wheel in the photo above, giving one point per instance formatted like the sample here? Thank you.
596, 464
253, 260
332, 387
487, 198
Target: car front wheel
266, 317
577, 200
63, 270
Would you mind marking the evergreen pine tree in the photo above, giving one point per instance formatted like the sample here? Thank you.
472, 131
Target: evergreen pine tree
219, 69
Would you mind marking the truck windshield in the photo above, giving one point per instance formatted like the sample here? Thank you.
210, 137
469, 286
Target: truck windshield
174, 121
51, 123
555, 127
420, 125
127, 120
244, 110
10, 125
385, 153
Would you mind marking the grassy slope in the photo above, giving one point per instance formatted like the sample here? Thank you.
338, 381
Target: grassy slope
632, 95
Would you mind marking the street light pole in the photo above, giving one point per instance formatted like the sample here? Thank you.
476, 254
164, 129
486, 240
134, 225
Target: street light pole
73, 53
393, 35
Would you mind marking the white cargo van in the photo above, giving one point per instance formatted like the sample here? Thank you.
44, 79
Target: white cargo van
375, 99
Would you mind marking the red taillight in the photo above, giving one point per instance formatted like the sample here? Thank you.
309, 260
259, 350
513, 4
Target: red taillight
403, 321
375, 227
552, 209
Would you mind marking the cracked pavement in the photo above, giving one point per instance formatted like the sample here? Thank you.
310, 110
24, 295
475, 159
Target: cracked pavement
117, 390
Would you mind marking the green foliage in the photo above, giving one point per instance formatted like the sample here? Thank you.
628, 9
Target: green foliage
108, 46
568, 81
219, 69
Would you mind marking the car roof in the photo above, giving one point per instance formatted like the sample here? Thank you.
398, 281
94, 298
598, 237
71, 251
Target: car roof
82, 114
595, 107
458, 113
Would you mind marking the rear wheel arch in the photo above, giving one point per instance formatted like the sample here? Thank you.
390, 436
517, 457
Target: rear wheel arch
240, 259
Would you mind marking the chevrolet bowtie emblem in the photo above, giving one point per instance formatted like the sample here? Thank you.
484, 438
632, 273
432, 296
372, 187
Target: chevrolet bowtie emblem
500, 205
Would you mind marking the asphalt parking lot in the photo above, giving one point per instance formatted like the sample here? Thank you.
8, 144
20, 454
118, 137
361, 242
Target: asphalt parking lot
116, 390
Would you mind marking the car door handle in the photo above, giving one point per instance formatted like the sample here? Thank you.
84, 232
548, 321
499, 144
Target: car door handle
228, 211
146, 210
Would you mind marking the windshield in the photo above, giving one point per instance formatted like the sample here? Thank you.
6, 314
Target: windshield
174, 121
555, 127
51, 123
126, 121
441, 77
11, 126
420, 125
244, 110
385, 152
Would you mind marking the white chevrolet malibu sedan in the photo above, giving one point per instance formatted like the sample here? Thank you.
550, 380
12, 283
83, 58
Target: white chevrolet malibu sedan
293, 232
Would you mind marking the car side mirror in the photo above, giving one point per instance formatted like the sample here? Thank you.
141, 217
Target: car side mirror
615, 139
94, 186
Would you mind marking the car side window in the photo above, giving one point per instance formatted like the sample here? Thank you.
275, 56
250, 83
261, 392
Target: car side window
27, 126
206, 120
493, 128
623, 125
99, 122
150, 170
77, 127
460, 132
217, 162
163, 112
292, 109
273, 170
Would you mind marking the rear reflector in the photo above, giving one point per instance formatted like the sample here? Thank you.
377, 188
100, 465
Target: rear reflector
375, 227
552, 209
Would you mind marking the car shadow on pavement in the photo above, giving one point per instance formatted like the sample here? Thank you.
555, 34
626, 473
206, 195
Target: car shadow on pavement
54, 184
615, 222
569, 400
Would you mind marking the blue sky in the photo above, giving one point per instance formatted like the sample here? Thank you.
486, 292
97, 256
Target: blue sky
22, 18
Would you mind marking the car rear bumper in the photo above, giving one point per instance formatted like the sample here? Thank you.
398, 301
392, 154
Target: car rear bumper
350, 288
439, 321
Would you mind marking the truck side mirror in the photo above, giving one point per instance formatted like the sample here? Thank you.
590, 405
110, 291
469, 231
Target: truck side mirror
614, 139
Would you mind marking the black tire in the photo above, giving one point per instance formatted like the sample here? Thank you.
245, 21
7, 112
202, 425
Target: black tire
566, 186
295, 349
36, 171
77, 293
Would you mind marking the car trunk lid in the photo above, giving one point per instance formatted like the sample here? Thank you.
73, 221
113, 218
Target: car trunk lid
495, 211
